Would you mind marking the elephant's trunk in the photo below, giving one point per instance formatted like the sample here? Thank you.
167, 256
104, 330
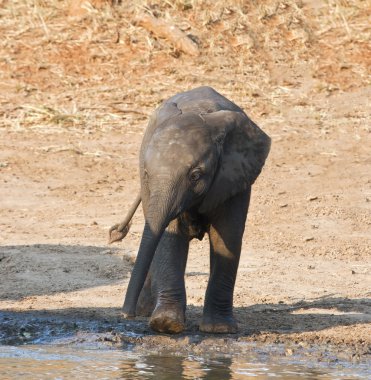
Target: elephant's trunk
157, 218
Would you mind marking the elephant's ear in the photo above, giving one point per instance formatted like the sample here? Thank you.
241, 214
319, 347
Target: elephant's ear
244, 149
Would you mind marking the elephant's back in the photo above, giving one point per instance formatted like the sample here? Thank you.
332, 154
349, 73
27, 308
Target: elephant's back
202, 100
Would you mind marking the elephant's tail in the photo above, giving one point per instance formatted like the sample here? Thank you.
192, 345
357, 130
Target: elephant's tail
119, 231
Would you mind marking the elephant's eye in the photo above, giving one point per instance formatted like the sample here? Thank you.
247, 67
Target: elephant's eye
195, 175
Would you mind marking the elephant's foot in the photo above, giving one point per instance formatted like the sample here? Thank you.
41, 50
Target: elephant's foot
218, 325
167, 319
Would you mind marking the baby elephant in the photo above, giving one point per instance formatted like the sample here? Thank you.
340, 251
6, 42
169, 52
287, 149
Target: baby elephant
199, 157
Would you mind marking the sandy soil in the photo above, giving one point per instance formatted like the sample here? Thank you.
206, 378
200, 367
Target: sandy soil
75, 95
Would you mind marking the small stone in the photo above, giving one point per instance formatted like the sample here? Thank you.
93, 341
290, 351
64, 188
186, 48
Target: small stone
312, 198
309, 238
284, 205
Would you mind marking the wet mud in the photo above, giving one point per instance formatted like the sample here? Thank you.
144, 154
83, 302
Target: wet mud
46, 329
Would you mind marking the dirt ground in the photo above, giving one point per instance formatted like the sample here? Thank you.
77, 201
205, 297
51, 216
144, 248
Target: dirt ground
75, 96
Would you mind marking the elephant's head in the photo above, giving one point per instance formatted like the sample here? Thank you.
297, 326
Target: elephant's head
192, 161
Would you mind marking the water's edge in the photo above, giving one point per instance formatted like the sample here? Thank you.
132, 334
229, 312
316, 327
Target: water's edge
120, 349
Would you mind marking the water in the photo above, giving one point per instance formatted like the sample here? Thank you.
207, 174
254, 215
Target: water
64, 362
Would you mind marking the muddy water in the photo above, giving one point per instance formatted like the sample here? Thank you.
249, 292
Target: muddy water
33, 346
61, 362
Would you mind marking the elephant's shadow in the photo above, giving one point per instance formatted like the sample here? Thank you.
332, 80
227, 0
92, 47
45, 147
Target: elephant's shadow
281, 319
303, 316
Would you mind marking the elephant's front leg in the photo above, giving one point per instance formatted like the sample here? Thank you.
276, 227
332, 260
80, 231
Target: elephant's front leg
167, 270
226, 231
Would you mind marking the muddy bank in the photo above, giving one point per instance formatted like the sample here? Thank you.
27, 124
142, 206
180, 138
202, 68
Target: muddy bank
53, 329
50, 291
73, 293
115, 349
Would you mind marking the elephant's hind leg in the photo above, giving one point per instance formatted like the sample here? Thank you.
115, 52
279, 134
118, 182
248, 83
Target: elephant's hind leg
226, 230
168, 268
147, 298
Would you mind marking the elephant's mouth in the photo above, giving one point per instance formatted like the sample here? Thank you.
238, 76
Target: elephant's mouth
193, 225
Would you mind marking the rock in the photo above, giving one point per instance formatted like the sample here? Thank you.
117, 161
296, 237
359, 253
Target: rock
312, 198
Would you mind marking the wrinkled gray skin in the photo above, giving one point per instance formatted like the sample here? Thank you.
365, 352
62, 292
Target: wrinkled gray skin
198, 159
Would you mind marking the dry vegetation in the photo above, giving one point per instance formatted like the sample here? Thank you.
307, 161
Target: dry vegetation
77, 84
88, 70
